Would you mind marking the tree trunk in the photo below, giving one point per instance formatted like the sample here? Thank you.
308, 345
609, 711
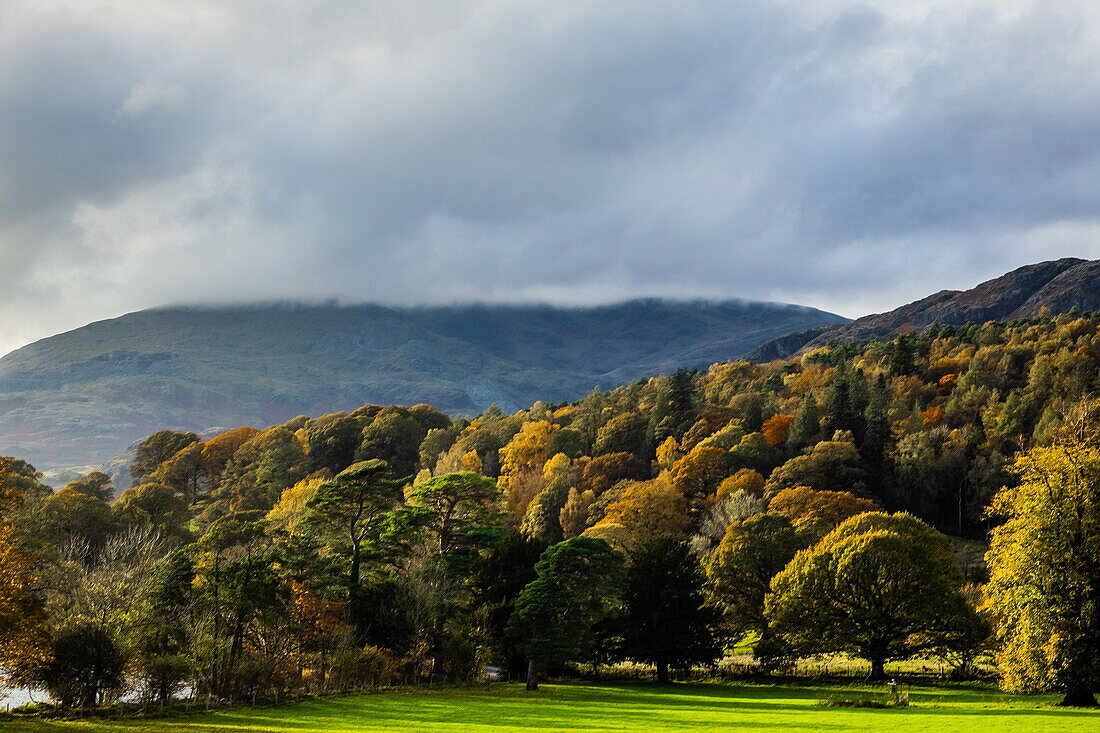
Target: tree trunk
662, 672
532, 675
1079, 697
878, 670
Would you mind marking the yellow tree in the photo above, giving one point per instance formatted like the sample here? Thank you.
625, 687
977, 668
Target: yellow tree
815, 514
647, 508
1044, 587
521, 467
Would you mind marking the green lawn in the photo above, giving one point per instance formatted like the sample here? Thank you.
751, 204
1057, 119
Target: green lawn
637, 707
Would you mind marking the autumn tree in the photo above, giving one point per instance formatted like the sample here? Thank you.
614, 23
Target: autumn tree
543, 518
815, 514
667, 621
624, 433
1044, 564
578, 585
22, 615
645, 508
521, 470
881, 586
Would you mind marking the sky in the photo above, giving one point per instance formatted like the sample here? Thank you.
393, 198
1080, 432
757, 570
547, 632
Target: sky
851, 156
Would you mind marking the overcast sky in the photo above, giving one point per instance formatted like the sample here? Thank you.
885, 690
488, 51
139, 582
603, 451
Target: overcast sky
851, 156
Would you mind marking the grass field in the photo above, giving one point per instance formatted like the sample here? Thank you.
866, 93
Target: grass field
637, 707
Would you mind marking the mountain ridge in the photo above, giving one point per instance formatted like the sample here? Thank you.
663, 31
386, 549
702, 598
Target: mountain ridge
1058, 285
81, 397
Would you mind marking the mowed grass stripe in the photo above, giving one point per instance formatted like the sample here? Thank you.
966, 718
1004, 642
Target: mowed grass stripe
616, 708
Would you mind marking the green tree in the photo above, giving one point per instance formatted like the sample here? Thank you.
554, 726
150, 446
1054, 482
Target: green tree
96, 483
831, 465
393, 436
348, 511
455, 504
740, 571
667, 621
578, 585
156, 449
332, 441
806, 428
881, 586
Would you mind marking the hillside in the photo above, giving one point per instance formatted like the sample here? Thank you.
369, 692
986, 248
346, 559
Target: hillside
1059, 285
82, 397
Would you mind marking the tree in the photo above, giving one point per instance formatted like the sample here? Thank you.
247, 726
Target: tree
881, 586
261, 469
624, 433
815, 514
603, 472
521, 469
393, 436
542, 520
577, 585
697, 474
348, 509
96, 483
667, 621
85, 665
456, 503
153, 504
161, 640
829, 466
806, 428
740, 571
497, 577
775, 429
22, 616
182, 473
681, 401
1044, 561
217, 451
332, 441
156, 449
648, 507
73, 517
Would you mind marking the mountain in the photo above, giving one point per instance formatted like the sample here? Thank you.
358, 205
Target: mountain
1059, 285
82, 397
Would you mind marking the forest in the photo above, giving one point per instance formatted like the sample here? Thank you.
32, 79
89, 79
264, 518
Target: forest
934, 496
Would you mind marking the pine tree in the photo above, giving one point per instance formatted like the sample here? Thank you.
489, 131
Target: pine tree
806, 427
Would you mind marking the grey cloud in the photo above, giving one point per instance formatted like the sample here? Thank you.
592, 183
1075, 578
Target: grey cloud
415, 151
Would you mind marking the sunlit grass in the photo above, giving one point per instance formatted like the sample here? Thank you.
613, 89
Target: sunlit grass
639, 707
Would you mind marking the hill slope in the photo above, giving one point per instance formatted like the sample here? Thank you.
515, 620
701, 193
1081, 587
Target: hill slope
1060, 285
81, 397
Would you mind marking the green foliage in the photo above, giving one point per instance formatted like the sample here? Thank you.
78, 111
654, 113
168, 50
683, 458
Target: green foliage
881, 586
740, 571
578, 585
348, 512
156, 449
667, 622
